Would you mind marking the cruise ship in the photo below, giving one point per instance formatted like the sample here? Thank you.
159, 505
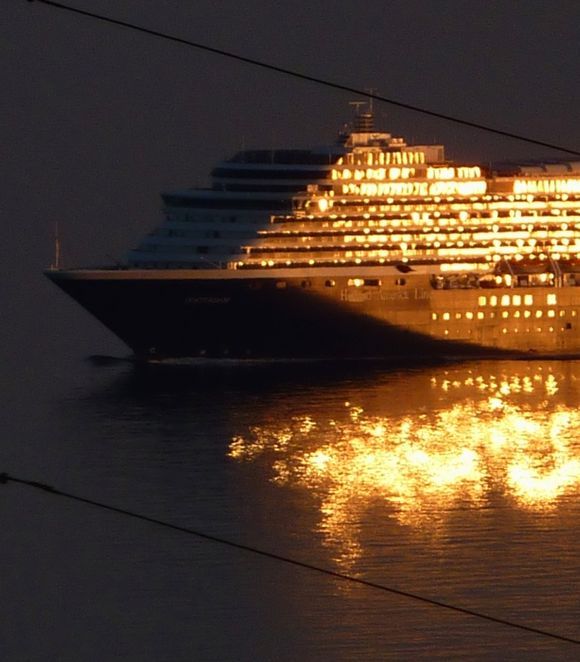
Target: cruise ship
374, 248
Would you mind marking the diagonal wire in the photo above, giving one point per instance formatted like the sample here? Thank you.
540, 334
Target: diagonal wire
7, 478
306, 77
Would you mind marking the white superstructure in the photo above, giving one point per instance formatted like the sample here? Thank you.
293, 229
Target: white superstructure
206, 227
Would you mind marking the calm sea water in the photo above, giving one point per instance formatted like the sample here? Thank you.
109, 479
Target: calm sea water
457, 482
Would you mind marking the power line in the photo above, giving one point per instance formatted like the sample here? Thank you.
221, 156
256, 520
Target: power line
7, 478
306, 77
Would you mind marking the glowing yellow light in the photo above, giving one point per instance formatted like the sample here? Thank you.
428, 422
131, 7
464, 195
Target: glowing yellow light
420, 466
547, 185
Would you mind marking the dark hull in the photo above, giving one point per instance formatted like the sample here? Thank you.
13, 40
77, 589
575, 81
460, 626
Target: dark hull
163, 315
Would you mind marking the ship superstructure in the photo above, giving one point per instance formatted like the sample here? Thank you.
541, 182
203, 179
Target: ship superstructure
394, 252
205, 227
405, 208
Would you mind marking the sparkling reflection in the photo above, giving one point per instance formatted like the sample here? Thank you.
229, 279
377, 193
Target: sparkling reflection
480, 437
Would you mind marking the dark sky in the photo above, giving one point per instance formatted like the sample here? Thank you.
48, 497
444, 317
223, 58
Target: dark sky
96, 120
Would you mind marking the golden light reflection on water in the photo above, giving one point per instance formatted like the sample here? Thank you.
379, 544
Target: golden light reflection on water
511, 435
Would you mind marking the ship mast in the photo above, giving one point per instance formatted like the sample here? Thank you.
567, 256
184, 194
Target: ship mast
56, 265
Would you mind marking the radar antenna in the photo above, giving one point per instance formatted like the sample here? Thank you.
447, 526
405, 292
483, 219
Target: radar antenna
356, 105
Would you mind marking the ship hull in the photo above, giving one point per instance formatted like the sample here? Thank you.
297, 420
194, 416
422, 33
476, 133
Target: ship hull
319, 314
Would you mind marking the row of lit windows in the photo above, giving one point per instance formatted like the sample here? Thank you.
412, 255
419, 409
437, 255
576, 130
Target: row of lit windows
515, 300
505, 314
416, 242
409, 157
352, 204
369, 216
480, 255
424, 219
370, 227
354, 231
537, 236
442, 213
495, 201
417, 213
503, 207
537, 329
564, 233
382, 257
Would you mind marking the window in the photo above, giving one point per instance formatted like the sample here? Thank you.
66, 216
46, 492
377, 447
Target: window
528, 299
482, 301
551, 299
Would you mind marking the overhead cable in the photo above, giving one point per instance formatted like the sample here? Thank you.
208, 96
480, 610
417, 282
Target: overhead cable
8, 478
306, 77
